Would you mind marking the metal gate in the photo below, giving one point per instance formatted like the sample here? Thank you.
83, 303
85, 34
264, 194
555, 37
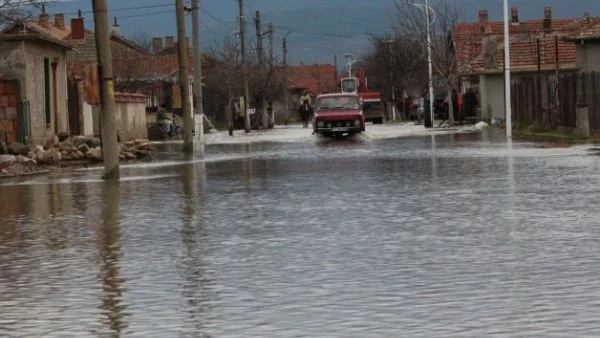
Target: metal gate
74, 107
10, 124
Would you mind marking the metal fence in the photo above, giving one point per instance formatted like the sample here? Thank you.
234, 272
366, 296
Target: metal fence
548, 101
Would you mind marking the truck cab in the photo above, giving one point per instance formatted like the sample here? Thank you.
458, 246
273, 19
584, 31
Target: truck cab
372, 106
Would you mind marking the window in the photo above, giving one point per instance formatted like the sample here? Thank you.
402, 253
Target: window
348, 85
47, 104
338, 102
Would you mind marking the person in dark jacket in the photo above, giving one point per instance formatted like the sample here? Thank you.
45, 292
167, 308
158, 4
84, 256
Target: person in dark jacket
164, 119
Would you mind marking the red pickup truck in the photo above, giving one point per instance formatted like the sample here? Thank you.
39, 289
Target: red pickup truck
338, 114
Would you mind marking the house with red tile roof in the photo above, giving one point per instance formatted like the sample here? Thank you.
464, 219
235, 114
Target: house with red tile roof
33, 83
317, 79
131, 66
587, 41
535, 46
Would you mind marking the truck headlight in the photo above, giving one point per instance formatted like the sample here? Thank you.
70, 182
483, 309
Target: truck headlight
320, 124
357, 123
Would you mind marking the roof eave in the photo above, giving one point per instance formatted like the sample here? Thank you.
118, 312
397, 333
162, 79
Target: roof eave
15, 37
584, 39
519, 69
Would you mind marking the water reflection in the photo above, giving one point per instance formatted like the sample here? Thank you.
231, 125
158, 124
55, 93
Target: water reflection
109, 245
193, 237
434, 165
303, 240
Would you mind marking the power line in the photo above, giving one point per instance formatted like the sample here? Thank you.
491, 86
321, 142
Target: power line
210, 15
145, 14
321, 33
134, 8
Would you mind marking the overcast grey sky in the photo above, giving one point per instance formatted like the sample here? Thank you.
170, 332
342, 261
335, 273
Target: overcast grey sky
321, 28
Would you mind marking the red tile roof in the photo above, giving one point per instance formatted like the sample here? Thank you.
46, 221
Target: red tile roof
468, 39
591, 32
316, 79
167, 65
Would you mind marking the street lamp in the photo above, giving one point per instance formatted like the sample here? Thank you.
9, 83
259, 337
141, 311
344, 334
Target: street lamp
349, 61
427, 8
507, 86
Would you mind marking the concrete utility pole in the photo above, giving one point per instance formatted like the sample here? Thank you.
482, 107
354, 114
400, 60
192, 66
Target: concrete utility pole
184, 80
198, 97
428, 14
244, 66
260, 53
110, 143
507, 84
271, 34
430, 65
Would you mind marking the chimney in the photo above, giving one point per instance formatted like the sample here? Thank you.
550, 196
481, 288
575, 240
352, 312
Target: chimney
157, 44
483, 16
515, 15
77, 29
169, 41
547, 17
489, 45
44, 20
59, 21
116, 29
586, 18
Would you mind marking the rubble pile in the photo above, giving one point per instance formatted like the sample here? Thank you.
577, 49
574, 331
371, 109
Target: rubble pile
19, 159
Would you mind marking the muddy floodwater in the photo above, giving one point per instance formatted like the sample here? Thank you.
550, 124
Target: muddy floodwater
446, 236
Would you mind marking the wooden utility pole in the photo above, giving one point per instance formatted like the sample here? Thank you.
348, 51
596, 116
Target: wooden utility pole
110, 143
244, 66
259, 38
184, 80
198, 97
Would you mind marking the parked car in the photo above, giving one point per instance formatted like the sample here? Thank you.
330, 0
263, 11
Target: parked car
338, 114
374, 111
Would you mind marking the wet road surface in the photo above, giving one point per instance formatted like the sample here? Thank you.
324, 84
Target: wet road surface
460, 236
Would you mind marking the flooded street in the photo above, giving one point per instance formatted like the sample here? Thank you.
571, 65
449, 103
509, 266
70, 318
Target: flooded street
446, 236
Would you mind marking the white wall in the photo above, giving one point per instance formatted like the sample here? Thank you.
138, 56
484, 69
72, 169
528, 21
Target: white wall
492, 96
88, 120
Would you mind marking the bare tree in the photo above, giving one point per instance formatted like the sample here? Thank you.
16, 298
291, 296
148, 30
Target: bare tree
267, 83
132, 63
395, 65
223, 83
15, 10
409, 20
12, 11
141, 39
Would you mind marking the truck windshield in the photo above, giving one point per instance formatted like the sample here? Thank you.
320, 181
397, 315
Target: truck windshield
338, 102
